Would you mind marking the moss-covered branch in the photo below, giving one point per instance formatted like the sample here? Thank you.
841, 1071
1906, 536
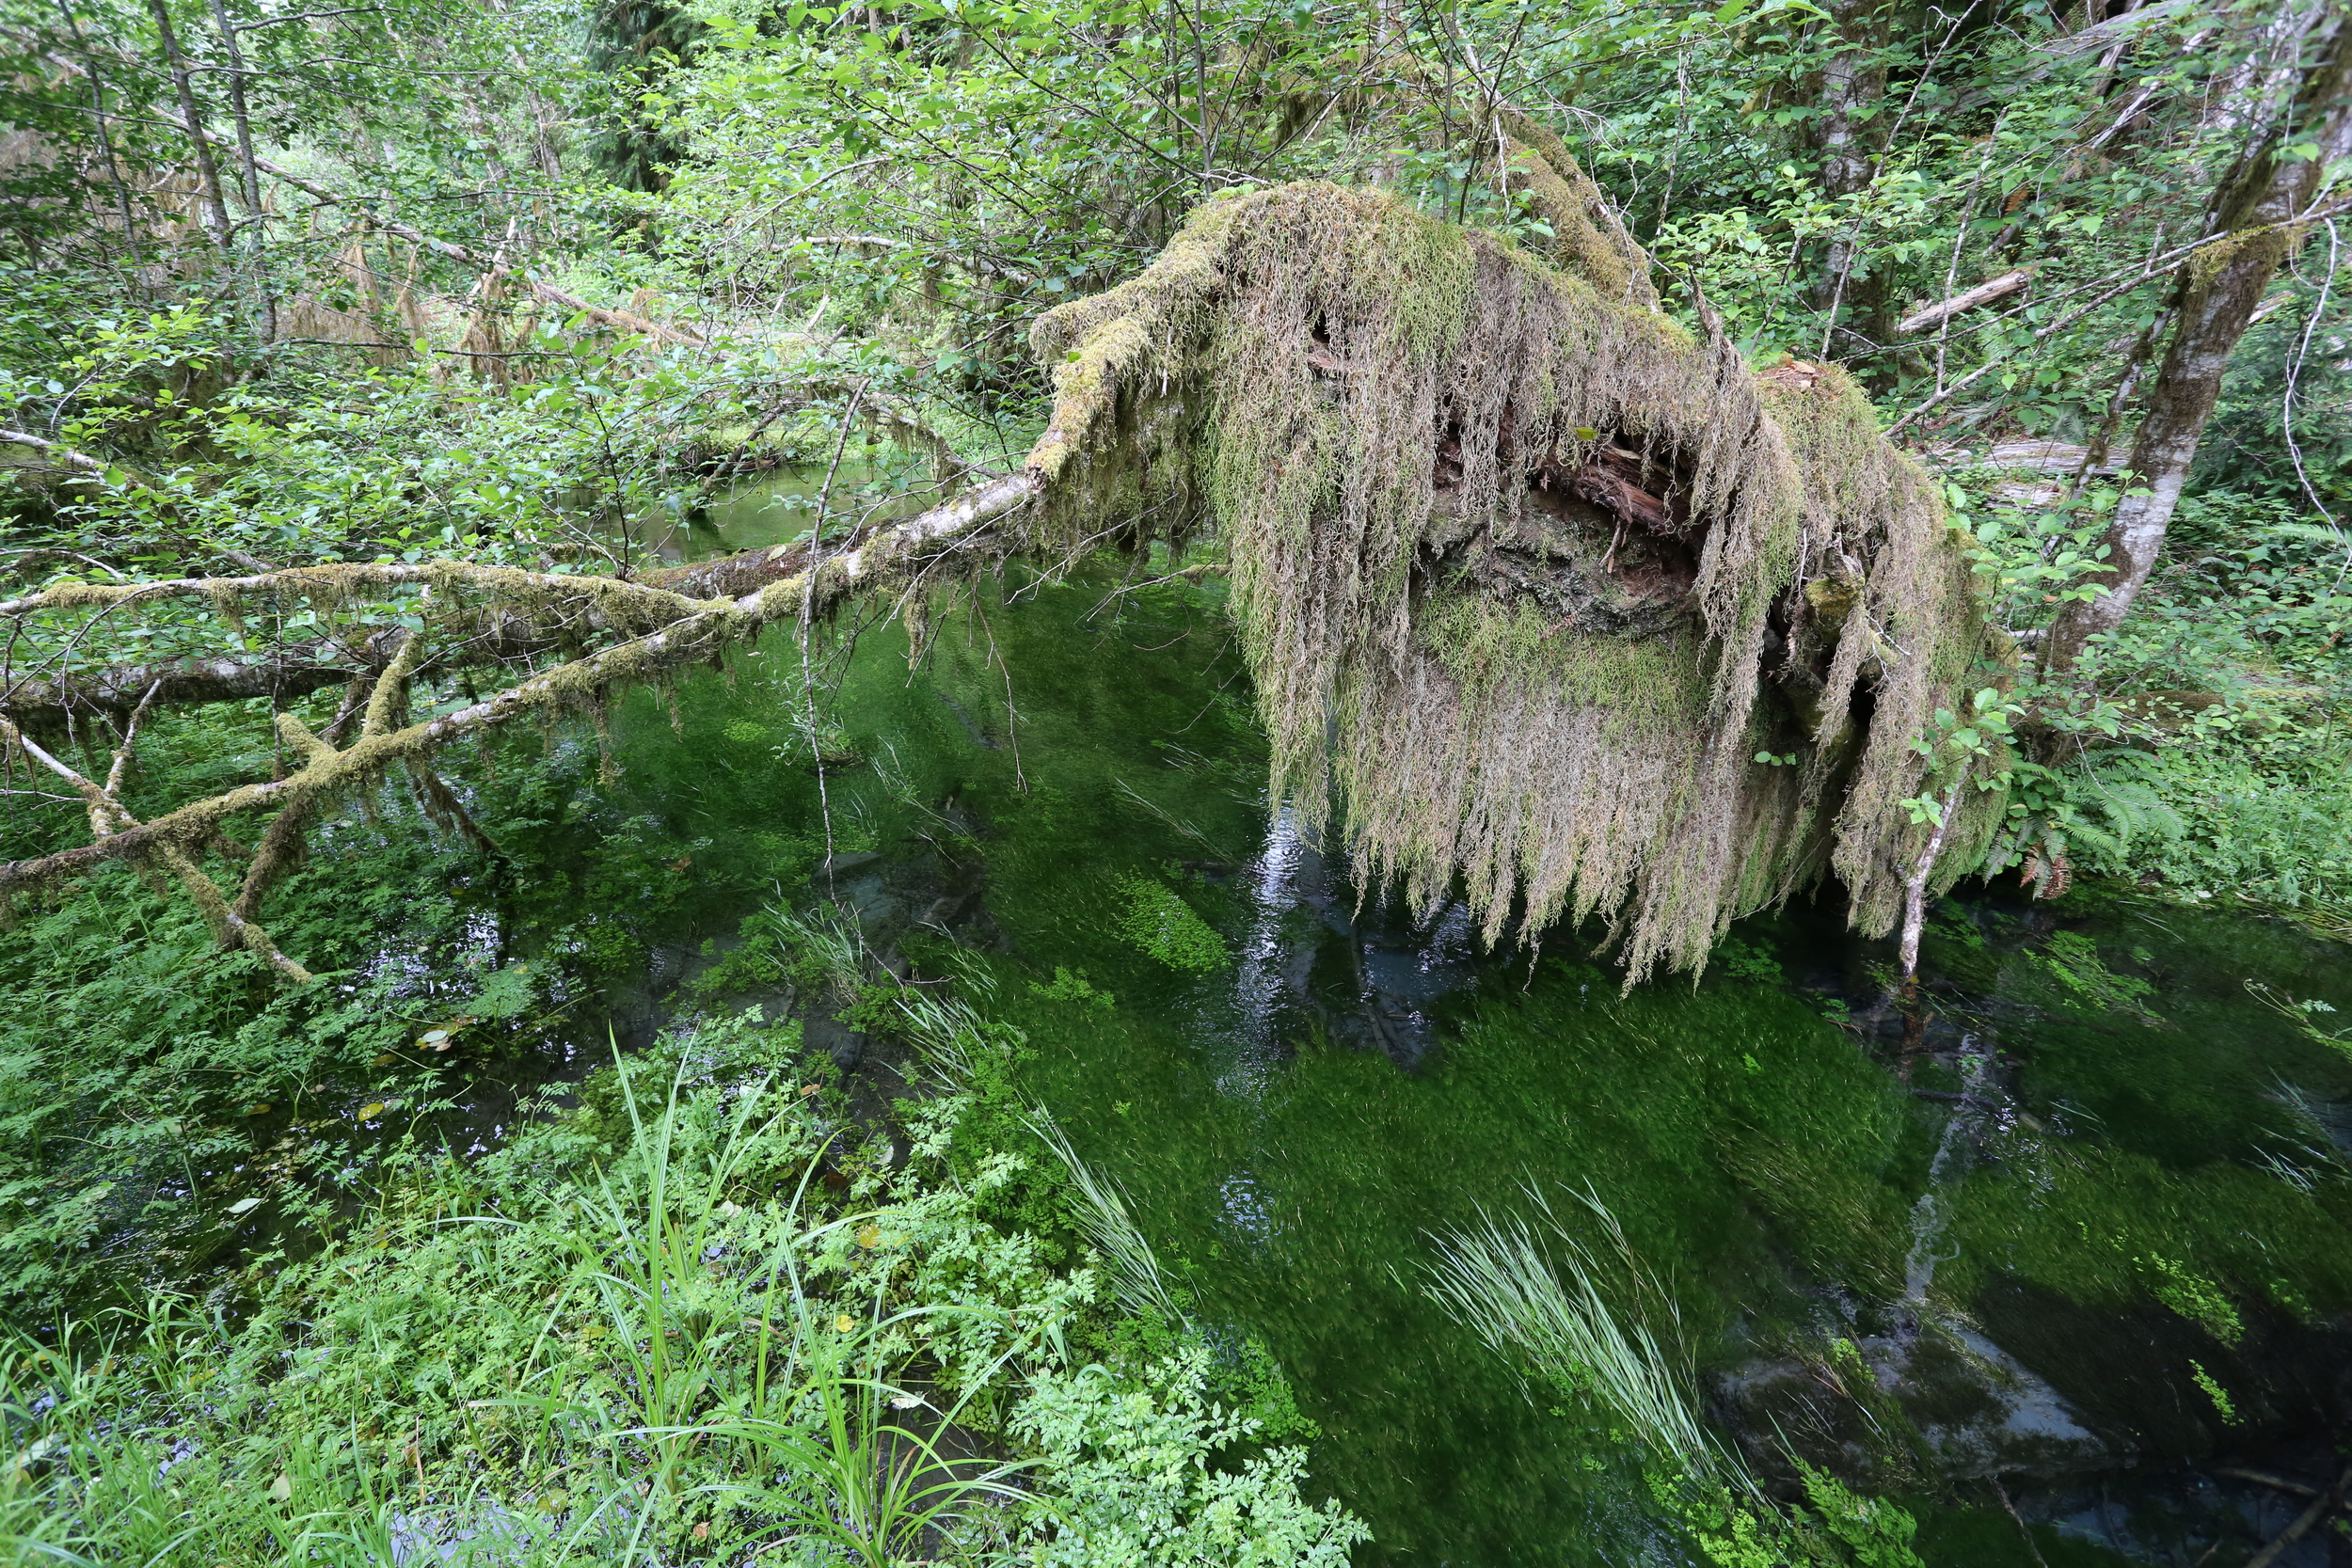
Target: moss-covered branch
1550, 602
892, 556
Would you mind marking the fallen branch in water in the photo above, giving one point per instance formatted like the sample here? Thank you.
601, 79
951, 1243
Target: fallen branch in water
110, 820
2322, 1504
2264, 1478
697, 632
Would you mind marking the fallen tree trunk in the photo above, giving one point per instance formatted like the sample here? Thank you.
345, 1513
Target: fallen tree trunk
1548, 599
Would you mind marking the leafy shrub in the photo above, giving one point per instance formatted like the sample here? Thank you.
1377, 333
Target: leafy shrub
647, 1329
1132, 1454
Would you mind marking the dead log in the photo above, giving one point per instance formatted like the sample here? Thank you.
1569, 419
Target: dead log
1547, 598
1969, 299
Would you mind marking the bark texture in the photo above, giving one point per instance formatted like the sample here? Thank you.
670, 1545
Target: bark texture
1852, 83
2213, 300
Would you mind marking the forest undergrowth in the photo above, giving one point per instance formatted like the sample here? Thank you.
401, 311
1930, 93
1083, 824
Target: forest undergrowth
693, 1305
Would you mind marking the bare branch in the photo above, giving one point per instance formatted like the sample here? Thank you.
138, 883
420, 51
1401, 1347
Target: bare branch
1984, 294
63, 453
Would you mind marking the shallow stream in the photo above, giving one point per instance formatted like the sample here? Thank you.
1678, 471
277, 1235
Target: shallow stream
2086, 1230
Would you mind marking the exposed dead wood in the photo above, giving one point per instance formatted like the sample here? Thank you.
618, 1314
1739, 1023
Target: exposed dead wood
2264, 1478
1984, 294
2321, 1506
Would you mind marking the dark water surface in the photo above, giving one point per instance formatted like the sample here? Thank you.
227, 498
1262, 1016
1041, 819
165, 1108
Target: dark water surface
2100, 1173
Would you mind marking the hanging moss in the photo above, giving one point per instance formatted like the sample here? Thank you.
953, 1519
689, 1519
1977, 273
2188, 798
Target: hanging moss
1546, 598
1529, 575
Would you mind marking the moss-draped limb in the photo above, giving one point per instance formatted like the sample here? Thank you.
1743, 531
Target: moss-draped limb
1522, 566
504, 617
110, 822
965, 528
1548, 599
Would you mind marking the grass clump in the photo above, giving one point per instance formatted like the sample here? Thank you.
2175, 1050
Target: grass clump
699, 1317
1539, 1298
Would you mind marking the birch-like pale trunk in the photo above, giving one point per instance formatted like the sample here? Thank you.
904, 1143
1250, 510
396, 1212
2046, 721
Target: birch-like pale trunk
2214, 301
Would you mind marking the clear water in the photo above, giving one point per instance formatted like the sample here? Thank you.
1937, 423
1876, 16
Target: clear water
2058, 1184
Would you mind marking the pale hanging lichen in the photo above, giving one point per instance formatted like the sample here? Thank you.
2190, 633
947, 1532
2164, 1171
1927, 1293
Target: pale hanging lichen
1548, 599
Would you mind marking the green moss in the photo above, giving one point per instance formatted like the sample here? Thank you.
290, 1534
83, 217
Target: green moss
2103, 1228
1649, 682
1297, 368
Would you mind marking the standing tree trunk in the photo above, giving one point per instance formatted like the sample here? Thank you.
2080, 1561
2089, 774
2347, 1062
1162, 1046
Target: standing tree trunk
99, 118
251, 176
215, 211
2213, 302
1853, 83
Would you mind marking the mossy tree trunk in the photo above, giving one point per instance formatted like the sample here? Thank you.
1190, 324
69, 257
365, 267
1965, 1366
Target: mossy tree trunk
1553, 604
2261, 201
1854, 82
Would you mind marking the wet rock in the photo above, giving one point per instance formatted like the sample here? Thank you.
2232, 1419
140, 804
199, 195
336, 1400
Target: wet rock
1933, 1401
2132, 1372
846, 1046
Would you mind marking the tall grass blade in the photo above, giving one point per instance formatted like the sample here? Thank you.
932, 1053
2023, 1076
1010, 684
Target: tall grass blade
1542, 1306
1128, 1260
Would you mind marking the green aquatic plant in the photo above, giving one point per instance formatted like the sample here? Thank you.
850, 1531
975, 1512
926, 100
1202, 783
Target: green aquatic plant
1735, 959
1542, 1306
2304, 1015
1159, 922
1536, 1297
2072, 958
2193, 1296
1069, 987
2222, 1404
1109, 1226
